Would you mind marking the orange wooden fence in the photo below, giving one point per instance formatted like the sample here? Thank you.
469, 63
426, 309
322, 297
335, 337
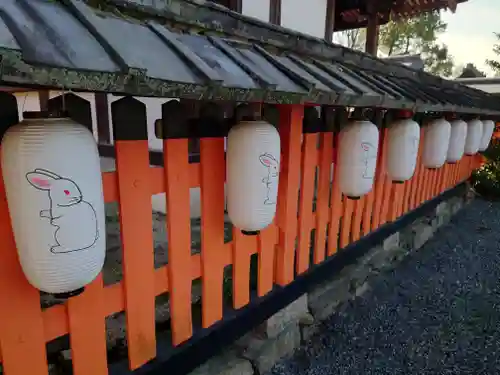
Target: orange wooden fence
25, 327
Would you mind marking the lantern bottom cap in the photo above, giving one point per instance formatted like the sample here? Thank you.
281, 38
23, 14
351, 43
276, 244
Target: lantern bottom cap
451, 162
398, 182
353, 198
250, 232
67, 295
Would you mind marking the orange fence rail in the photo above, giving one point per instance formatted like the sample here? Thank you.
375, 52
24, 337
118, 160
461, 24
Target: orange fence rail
25, 327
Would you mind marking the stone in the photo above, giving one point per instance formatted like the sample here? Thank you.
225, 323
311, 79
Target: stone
306, 332
52, 369
307, 320
391, 242
264, 353
324, 300
226, 364
377, 259
115, 329
293, 313
362, 289
407, 238
443, 213
443, 208
398, 255
456, 205
423, 233
443, 219
308, 327
66, 354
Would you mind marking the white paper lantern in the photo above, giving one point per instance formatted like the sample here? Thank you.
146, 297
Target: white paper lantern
402, 151
52, 177
252, 174
458, 135
488, 128
474, 136
358, 148
437, 139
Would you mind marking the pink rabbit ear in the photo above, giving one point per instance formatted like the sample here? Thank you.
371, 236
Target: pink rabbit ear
39, 181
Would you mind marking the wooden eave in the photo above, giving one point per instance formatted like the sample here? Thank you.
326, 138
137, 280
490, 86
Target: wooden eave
353, 14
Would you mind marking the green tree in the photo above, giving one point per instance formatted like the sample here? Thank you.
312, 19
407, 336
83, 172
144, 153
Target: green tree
437, 60
418, 35
495, 64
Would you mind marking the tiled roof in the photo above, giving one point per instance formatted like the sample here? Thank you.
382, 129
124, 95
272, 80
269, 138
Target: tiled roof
66, 44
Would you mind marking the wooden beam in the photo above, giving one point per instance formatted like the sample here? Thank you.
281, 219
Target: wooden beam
237, 5
275, 12
330, 20
371, 45
102, 115
43, 97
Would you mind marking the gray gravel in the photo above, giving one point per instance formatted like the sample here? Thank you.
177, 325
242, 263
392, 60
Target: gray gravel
437, 313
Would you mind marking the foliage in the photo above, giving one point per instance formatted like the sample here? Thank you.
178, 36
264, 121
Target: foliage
486, 180
437, 60
418, 35
494, 64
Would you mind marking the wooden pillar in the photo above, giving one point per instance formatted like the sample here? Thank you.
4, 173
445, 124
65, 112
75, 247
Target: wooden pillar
330, 20
43, 97
372, 34
237, 5
102, 114
275, 12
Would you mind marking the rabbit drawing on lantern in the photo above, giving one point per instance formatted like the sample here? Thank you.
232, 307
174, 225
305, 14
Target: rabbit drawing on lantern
271, 180
74, 218
368, 156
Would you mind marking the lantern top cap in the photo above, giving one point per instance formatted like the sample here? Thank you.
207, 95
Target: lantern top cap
45, 115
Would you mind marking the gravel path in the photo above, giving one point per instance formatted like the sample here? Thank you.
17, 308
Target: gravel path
437, 313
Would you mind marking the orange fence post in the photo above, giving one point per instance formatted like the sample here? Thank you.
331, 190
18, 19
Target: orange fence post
371, 213
416, 180
379, 179
335, 202
396, 200
175, 156
22, 341
323, 195
88, 331
345, 232
358, 218
135, 211
212, 175
266, 243
307, 177
243, 248
386, 198
290, 128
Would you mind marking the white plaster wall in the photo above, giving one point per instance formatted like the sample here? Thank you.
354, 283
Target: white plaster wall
259, 9
304, 16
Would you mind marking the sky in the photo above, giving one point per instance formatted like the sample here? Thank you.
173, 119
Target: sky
469, 35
